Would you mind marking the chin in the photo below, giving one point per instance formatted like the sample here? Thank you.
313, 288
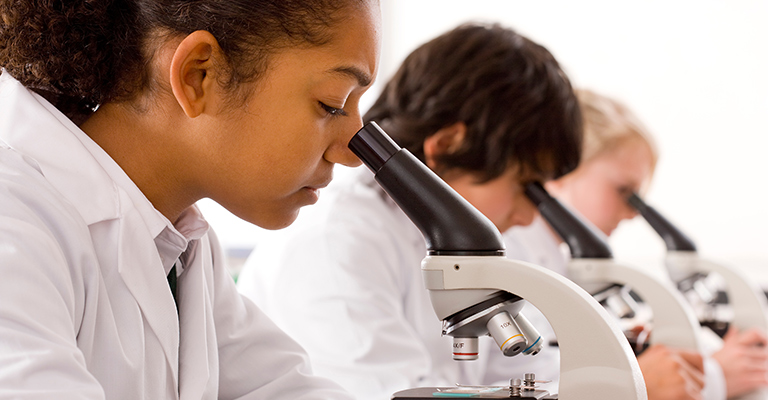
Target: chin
274, 220
280, 223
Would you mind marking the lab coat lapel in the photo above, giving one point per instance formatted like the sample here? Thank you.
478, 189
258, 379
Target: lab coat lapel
198, 340
141, 269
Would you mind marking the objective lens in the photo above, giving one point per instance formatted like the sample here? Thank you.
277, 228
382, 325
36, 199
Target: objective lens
532, 336
465, 348
507, 334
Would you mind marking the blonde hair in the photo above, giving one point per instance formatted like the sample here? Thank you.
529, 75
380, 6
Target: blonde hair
609, 124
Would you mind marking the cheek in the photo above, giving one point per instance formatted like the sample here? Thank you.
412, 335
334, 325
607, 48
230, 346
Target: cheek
591, 201
508, 210
606, 211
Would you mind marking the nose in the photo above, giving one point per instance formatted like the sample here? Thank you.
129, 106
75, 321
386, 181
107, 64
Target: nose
338, 152
628, 212
524, 212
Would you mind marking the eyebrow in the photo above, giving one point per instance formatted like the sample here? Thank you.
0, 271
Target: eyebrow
362, 78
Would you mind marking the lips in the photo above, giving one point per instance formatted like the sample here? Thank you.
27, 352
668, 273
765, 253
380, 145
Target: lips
318, 186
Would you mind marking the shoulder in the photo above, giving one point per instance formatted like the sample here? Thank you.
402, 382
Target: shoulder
42, 237
26, 194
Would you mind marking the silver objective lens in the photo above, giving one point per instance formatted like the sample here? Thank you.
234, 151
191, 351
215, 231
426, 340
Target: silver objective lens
532, 336
465, 348
507, 334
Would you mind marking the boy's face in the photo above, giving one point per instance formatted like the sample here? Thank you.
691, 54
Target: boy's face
502, 199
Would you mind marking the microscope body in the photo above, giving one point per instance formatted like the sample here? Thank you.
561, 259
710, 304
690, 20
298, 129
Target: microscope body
592, 267
746, 300
465, 266
595, 359
674, 322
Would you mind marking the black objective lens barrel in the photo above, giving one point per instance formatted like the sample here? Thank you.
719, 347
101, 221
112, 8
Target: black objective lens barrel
674, 239
450, 224
582, 240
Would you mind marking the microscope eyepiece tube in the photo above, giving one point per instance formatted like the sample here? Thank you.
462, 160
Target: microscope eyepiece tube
506, 333
373, 146
584, 239
465, 348
532, 336
674, 239
449, 223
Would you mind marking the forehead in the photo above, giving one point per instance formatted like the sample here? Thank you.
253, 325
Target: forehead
630, 161
355, 43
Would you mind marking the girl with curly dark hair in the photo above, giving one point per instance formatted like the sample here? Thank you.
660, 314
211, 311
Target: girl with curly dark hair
115, 118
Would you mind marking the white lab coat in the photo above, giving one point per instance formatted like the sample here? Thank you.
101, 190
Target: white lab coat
85, 308
345, 281
536, 243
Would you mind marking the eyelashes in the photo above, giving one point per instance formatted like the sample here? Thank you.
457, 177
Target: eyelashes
332, 111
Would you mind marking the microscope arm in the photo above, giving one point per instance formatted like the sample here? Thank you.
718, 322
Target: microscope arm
596, 361
746, 299
592, 264
674, 323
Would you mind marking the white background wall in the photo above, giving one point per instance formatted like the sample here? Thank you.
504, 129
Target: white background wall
696, 72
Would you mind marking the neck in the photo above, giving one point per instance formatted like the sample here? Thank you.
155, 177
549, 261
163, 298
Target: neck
148, 149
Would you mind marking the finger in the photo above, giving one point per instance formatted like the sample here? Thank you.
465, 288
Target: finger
754, 356
692, 359
754, 337
731, 334
693, 390
692, 374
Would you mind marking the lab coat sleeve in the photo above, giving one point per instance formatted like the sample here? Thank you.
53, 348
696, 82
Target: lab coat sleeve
714, 381
257, 360
715, 387
41, 296
336, 287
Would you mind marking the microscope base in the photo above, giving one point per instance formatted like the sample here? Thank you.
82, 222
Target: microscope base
432, 393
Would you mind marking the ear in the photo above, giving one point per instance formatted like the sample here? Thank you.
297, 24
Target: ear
554, 185
445, 141
192, 76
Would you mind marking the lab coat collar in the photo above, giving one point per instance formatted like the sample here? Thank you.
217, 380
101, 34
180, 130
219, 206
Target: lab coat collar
174, 240
35, 128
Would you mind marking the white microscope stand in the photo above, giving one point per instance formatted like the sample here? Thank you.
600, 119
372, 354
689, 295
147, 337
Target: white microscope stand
596, 362
674, 322
746, 299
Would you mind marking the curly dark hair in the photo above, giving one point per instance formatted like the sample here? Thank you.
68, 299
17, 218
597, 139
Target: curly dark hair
517, 103
82, 53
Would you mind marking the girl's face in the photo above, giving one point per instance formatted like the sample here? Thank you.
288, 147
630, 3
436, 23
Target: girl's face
271, 156
502, 200
599, 188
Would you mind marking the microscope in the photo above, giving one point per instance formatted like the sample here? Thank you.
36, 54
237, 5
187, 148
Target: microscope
475, 290
593, 268
691, 273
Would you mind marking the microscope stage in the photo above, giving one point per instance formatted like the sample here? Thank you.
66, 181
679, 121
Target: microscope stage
446, 393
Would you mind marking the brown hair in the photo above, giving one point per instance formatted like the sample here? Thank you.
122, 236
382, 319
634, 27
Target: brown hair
518, 105
82, 53
609, 124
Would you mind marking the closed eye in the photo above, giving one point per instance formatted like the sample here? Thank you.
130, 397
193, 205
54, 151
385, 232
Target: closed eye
625, 191
335, 112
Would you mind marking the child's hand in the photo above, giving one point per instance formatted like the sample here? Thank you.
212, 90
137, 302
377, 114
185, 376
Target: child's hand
672, 374
744, 360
